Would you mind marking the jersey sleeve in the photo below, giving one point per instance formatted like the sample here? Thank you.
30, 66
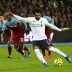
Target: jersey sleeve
16, 21
49, 19
52, 21
4, 26
51, 26
21, 18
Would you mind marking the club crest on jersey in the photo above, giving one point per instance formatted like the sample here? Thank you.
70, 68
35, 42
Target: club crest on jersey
37, 25
33, 21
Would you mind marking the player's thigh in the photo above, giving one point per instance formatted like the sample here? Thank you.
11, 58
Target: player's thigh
21, 41
36, 44
44, 44
21, 38
16, 42
8, 32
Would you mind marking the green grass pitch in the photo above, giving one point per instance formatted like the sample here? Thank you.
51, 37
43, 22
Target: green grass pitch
16, 64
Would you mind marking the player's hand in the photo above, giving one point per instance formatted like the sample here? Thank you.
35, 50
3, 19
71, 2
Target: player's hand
64, 29
9, 13
2, 40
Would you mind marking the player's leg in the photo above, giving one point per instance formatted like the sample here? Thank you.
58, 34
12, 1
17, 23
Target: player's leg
38, 53
19, 50
51, 37
51, 48
50, 55
60, 53
28, 50
43, 52
21, 45
49, 52
17, 46
8, 33
9, 50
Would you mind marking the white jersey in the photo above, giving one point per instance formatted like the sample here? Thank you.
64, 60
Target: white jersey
37, 26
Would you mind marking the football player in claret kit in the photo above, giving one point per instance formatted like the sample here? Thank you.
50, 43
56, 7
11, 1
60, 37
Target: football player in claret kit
49, 35
1, 25
37, 24
8, 33
18, 33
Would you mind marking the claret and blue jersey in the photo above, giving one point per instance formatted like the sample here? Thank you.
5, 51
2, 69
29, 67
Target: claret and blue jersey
11, 23
49, 19
1, 25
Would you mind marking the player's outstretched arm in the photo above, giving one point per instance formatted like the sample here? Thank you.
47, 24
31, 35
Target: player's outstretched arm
2, 38
18, 17
63, 29
56, 28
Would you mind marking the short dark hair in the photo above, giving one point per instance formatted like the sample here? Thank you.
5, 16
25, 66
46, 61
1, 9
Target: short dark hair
37, 10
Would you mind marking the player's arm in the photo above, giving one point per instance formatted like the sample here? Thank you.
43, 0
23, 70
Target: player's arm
18, 17
11, 36
2, 38
49, 19
3, 28
21, 18
52, 21
55, 28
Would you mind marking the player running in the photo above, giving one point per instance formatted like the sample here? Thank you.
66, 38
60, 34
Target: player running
18, 34
37, 25
8, 33
1, 25
49, 35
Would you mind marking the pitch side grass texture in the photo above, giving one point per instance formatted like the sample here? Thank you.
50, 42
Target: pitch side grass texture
16, 64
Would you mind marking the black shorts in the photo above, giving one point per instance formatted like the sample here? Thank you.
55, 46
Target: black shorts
49, 43
41, 44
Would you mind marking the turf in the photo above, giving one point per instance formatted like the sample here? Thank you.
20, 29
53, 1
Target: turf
16, 64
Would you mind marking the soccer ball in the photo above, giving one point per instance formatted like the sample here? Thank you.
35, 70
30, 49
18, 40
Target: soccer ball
58, 62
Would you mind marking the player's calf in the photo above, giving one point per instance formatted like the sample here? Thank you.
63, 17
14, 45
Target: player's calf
29, 53
28, 50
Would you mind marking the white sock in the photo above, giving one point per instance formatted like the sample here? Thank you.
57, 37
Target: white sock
57, 51
51, 36
39, 56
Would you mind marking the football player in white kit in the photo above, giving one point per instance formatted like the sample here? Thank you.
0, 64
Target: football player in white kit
37, 24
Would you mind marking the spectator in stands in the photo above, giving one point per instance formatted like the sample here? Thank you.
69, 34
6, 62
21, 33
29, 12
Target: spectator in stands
57, 9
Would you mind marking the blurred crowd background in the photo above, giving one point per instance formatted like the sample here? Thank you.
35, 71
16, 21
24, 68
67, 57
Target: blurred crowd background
59, 10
